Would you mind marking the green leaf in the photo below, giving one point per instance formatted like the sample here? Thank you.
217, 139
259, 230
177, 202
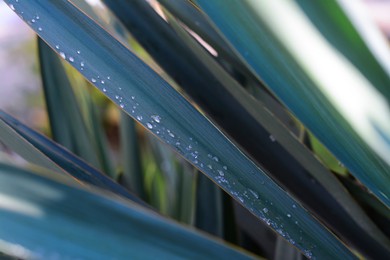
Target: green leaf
66, 122
209, 208
46, 217
133, 177
41, 151
158, 107
313, 80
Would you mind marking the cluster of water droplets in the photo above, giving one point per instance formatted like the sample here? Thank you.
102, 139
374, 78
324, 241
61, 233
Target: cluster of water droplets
33, 21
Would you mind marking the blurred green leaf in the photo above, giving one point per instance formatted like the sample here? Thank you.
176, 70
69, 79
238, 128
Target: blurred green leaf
47, 218
41, 151
209, 207
66, 122
141, 93
132, 177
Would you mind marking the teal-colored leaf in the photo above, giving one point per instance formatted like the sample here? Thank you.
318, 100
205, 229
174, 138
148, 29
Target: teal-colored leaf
158, 107
44, 218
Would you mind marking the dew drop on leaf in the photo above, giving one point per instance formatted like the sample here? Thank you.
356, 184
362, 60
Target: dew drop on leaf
156, 118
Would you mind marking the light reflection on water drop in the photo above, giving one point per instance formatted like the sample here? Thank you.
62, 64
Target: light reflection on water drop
156, 118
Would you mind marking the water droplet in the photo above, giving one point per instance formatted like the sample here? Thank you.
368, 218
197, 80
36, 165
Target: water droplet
36, 17
33, 20
294, 206
210, 167
57, 46
40, 29
93, 80
82, 64
78, 52
132, 97
265, 210
254, 193
62, 55
122, 105
177, 143
116, 96
71, 59
156, 118
240, 199
102, 81
215, 158
296, 222
120, 88
225, 167
149, 125
12, 7
104, 90
139, 118
221, 173
289, 215
171, 135
272, 138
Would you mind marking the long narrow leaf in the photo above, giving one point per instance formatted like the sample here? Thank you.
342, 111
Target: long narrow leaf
131, 161
46, 218
158, 107
40, 150
66, 121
